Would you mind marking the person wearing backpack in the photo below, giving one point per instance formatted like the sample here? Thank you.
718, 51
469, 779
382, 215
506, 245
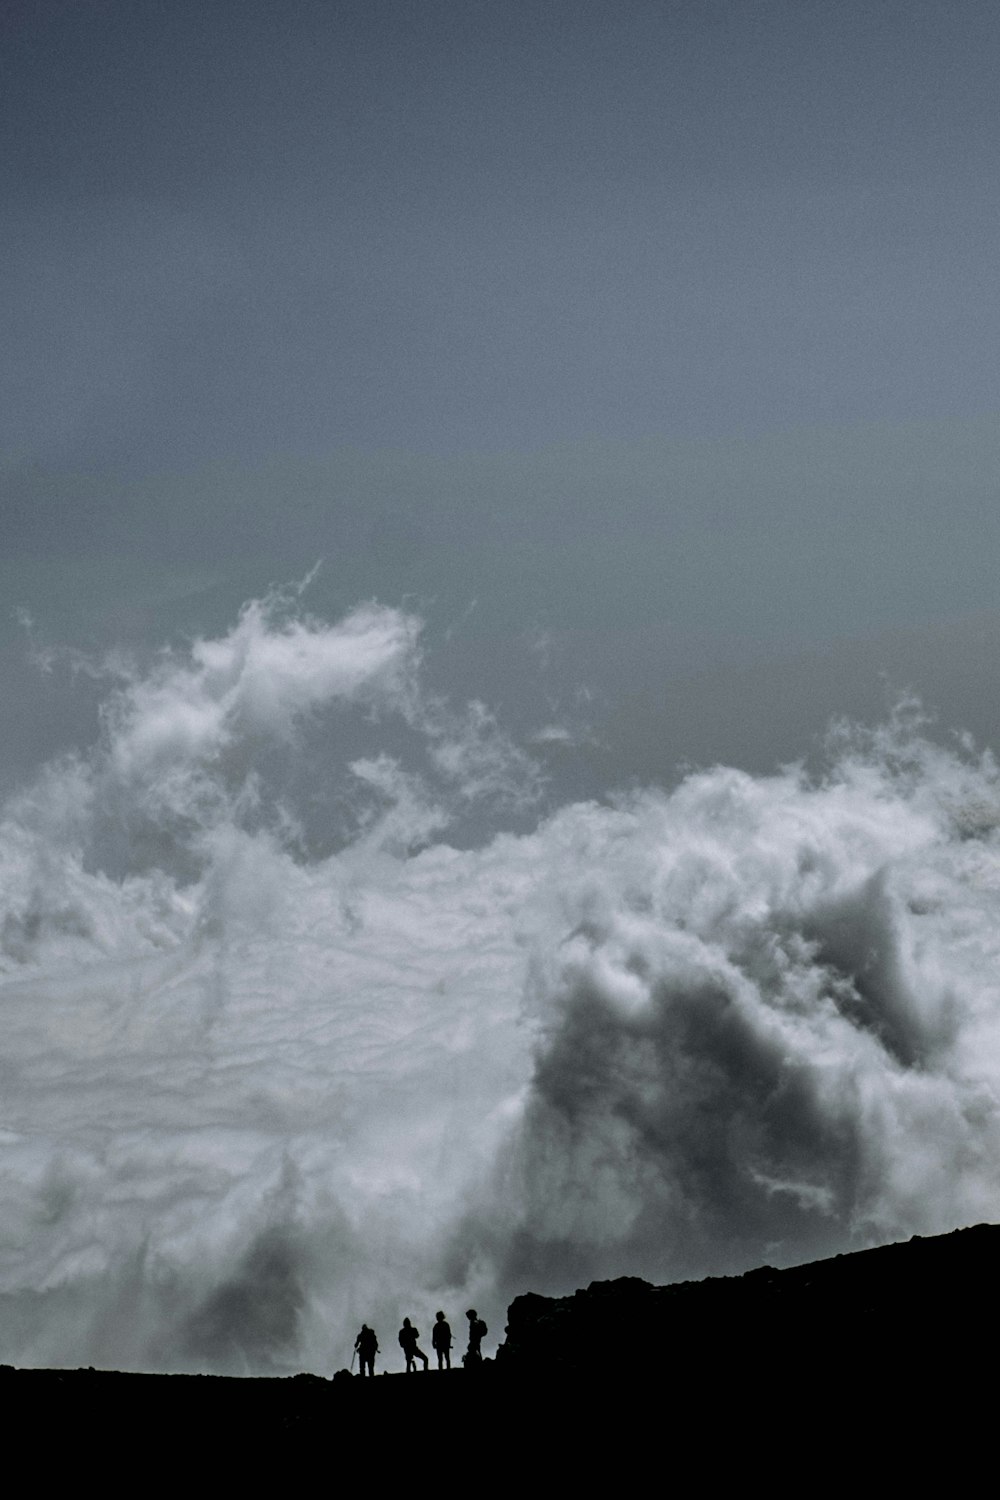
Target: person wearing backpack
366, 1345
477, 1332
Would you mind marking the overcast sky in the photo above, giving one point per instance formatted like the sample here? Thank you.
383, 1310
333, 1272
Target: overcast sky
630, 371
649, 347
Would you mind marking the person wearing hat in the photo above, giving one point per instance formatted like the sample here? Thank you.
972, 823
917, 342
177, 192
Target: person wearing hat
441, 1340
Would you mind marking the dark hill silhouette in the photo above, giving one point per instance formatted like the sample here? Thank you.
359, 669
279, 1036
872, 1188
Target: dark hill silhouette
891, 1345
922, 1294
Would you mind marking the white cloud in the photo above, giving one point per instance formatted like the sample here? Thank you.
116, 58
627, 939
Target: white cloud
261, 678
257, 1097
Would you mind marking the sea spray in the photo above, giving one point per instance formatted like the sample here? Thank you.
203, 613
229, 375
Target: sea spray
280, 1059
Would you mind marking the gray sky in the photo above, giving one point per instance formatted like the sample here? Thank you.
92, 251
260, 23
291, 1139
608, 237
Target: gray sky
648, 350
640, 360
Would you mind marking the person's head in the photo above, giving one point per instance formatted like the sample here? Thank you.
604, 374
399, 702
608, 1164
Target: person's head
472, 1313
406, 1322
440, 1317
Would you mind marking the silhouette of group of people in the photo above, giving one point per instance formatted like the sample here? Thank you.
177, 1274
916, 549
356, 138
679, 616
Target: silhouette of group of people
366, 1344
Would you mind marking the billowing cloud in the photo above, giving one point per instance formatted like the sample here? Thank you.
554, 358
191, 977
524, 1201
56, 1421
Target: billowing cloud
257, 1091
771, 1024
261, 678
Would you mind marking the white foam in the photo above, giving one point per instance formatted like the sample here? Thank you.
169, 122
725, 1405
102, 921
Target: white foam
254, 1095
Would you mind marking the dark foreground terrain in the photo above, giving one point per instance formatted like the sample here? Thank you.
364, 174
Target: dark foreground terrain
886, 1355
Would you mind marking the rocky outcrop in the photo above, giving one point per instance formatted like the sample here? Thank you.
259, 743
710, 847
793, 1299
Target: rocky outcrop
894, 1302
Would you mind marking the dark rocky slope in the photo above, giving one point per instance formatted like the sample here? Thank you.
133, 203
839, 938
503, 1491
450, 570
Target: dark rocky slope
891, 1346
933, 1294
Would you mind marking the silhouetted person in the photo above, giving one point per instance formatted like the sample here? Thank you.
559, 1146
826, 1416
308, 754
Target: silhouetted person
441, 1339
408, 1336
367, 1346
477, 1332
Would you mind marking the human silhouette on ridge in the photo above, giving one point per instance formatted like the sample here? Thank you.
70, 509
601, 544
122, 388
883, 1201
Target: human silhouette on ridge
441, 1340
408, 1336
366, 1344
477, 1332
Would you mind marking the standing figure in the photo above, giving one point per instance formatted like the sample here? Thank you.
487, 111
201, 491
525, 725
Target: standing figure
408, 1336
441, 1339
367, 1346
477, 1332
